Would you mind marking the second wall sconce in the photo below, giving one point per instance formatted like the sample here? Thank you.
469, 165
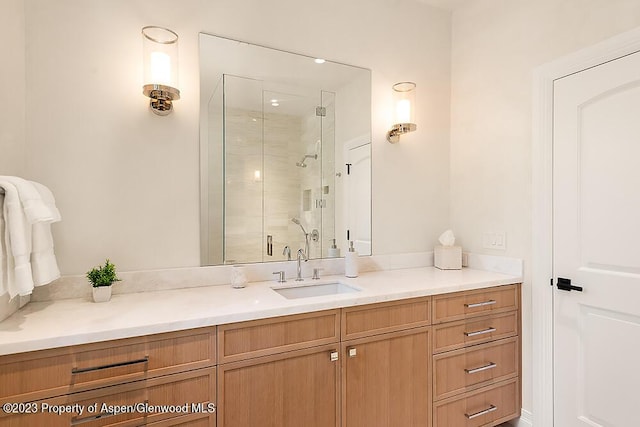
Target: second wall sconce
404, 101
160, 50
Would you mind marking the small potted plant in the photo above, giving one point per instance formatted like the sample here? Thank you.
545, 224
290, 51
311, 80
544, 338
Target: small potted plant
101, 278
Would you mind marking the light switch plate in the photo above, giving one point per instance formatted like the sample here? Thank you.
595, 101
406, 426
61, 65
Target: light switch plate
494, 240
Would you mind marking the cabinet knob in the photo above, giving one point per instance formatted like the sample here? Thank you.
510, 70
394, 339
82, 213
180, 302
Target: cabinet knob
334, 356
352, 352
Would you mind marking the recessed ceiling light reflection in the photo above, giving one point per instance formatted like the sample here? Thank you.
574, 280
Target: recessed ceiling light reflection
319, 61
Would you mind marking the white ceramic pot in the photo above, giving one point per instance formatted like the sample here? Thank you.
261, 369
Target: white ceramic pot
102, 294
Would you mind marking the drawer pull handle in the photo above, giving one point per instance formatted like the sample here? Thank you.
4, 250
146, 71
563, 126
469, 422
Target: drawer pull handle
481, 304
333, 356
76, 421
113, 365
482, 332
491, 365
491, 408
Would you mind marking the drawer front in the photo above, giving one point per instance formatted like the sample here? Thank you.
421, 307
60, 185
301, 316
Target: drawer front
71, 369
246, 340
462, 305
463, 370
488, 406
187, 421
140, 402
454, 335
381, 318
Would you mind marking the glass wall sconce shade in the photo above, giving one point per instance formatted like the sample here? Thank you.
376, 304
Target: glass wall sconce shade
160, 53
404, 101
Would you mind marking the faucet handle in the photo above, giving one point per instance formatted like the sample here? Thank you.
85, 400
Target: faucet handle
316, 273
281, 278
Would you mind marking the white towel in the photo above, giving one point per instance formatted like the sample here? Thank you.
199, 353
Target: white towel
35, 209
17, 241
3, 249
27, 258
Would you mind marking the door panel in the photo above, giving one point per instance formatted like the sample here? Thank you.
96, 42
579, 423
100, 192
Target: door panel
596, 205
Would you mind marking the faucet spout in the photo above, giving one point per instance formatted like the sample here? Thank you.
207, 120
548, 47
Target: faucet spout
287, 252
301, 255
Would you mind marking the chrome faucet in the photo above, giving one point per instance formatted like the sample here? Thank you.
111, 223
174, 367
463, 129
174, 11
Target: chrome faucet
301, 255
287, 251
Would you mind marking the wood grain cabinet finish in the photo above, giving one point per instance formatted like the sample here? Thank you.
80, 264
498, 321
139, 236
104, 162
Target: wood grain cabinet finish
463, 305
489, 406
454, 335
245, 340
366, 320
130, 404
299, 388
470, 368
386, 380
476, 357
280, 372
48, 373
175, 368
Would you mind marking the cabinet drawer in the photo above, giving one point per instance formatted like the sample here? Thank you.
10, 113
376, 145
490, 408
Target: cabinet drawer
130, 404
65, 370
193, 420
245, 340
454, 335
381, 318
467, 304
463, 370
487, 406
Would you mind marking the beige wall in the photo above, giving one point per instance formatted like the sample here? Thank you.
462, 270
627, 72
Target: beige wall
127, 181
12, 109
496, 46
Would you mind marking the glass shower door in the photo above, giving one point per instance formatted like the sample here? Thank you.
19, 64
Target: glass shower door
243, 170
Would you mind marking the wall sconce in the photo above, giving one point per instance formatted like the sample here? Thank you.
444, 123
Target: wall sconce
404, 100
160, 50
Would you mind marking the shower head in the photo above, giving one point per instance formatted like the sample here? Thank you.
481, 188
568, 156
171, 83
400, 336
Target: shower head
297, 221
304, 159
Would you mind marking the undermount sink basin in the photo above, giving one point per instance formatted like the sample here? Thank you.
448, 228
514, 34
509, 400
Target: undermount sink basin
315, 290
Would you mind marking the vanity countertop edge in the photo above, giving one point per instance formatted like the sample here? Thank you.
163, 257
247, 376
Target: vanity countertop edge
61, 323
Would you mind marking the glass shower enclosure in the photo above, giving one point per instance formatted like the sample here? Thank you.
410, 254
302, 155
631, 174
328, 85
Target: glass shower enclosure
277, 183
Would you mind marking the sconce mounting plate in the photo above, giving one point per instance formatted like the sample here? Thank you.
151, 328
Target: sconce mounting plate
393, 135
161, 98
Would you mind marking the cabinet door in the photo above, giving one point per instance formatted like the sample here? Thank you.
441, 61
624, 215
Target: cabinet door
292, 389
386, 380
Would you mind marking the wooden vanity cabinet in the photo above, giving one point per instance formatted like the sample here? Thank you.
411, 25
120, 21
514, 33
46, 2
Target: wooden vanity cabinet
159, 369
386, 374
476, 360
280, 372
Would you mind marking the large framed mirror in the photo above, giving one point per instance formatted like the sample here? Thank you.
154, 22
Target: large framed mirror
285, 144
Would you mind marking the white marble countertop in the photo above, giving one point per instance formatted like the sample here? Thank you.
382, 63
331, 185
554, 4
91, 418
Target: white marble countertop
42, 325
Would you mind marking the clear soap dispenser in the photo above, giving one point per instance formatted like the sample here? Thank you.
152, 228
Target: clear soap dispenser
351, 262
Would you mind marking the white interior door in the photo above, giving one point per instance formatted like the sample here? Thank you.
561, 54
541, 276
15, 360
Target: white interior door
358, 198
596, 234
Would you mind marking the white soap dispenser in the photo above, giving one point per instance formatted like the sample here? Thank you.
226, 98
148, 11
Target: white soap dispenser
334, 251
351, 262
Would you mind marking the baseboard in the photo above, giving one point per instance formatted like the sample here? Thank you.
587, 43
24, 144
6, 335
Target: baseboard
525, 420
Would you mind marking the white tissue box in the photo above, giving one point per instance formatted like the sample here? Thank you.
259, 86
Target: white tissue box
447, 257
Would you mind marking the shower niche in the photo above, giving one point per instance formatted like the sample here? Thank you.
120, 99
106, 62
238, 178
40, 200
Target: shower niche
285, 149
